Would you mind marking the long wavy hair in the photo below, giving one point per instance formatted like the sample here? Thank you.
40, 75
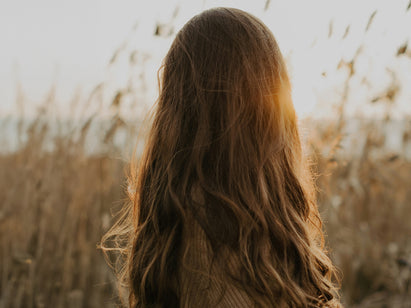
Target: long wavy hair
225, 128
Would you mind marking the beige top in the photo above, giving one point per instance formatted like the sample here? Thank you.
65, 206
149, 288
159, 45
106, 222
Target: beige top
196, 289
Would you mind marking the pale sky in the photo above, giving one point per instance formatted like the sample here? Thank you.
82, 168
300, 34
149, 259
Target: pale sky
70, 43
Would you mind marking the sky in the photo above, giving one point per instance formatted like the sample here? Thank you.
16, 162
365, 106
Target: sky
70, 44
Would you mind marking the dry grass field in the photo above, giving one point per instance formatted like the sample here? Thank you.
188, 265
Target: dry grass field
57, 199
56, 204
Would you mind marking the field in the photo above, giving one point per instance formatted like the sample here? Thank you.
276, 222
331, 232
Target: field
56, 202
62, 180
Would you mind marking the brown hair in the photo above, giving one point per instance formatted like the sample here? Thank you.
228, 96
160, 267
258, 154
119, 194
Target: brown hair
225, 128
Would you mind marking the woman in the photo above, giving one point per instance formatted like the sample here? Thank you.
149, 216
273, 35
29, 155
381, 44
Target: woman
223, 213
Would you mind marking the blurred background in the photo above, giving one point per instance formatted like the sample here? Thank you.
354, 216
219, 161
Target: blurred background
78, 78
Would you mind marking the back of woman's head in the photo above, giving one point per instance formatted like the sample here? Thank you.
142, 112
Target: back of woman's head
224, 148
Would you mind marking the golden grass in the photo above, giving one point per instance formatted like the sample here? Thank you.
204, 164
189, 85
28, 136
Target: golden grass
366, 206
56, 205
